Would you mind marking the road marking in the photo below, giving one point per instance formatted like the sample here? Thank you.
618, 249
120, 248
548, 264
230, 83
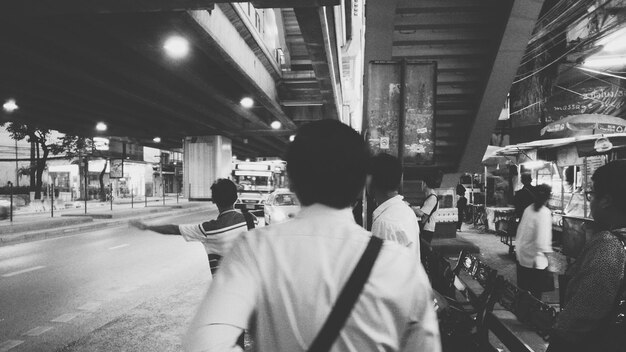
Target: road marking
23, 271
120, 246
65, 318
91, 306
7, 345
37, 331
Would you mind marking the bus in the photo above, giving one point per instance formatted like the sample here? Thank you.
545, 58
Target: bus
255, 180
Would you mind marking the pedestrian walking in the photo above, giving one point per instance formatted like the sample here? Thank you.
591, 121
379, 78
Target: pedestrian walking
533, 243
319, 282
393, 219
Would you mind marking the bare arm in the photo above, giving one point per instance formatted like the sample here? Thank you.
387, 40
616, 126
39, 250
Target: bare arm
168, 229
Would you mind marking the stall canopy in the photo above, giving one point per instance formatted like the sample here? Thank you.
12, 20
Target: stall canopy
586, 145
586, 124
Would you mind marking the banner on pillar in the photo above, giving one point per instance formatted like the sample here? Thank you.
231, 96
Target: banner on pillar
401, 109
116, 169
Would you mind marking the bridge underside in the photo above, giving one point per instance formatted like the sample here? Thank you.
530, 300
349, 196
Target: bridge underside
477, 45
74, 64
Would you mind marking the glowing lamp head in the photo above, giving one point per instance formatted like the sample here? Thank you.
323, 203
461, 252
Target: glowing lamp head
101, 126
292, 137
176, 47
276, 125
156, 139
10, 105
246, 102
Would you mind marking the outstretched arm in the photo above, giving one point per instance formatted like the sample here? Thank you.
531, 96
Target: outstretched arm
162, 229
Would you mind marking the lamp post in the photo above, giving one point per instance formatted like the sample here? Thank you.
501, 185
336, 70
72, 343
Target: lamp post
10, 184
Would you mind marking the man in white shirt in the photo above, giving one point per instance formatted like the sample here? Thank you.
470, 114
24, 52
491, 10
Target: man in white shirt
428, 211
393, 219
283, 280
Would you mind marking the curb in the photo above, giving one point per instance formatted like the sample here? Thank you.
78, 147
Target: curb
95, 225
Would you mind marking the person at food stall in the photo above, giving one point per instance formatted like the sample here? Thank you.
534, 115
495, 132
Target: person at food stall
525, 196
596, 279
533, 242
461, 205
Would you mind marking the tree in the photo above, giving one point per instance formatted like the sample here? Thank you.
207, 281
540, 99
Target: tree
81, 147
39, 137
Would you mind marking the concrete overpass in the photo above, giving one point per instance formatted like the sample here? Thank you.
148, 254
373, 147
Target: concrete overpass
71, 64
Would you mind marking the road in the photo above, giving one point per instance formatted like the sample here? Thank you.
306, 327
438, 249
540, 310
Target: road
74, 290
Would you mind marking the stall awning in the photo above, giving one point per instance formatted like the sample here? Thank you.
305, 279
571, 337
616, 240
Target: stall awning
587, 145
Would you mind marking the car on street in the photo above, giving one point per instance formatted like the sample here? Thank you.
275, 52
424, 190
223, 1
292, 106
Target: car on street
280, 206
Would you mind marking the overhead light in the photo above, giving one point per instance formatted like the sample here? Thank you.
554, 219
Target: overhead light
614, 41
101, 126
292, 137
247, 159
176, 47
235, 157
534, 164
606, 61
247, 102
156, 139
10, 105
276, 125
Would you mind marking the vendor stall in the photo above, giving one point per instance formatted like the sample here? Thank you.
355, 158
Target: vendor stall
567, 164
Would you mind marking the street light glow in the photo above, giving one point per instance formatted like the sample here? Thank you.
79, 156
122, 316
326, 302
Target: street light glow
176, 47
292, 137
10, 105
156, 139
276, 125
101, 126
247, 102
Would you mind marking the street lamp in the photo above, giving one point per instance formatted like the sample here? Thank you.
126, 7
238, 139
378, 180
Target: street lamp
276, 125
101, 126
292, 137
156, 139
246, 102
10, 105
176, 47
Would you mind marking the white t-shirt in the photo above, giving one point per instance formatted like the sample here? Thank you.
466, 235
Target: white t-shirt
286, 277
394, 220
534, 237
430, 206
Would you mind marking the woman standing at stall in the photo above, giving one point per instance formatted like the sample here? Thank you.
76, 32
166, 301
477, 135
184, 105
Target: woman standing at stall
532, 244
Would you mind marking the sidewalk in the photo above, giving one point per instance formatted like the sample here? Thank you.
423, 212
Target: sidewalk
32, 227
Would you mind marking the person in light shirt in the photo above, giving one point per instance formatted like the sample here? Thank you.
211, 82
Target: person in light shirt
532, 242
393, 219
283, 280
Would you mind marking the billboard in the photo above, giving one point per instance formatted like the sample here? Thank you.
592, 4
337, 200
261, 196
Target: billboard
401, 110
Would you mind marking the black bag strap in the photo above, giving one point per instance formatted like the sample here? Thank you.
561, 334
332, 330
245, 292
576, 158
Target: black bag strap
425, 220
347, 298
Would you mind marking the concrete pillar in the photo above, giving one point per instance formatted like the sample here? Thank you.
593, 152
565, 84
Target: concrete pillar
205, 159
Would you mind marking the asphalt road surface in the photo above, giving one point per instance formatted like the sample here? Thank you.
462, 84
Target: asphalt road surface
70, 293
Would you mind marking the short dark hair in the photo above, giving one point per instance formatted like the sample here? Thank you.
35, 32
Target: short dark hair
526, 178
542, 194
610, 179
386, 172
327, 163
224, 192
433, 179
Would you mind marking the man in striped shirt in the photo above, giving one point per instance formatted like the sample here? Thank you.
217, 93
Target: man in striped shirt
217, 235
